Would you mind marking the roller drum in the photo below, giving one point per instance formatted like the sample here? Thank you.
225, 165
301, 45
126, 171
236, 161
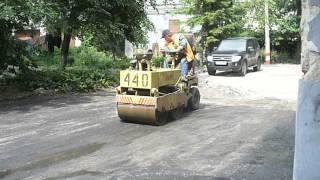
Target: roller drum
142, 114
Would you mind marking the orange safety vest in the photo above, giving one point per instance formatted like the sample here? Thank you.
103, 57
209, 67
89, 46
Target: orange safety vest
174, 44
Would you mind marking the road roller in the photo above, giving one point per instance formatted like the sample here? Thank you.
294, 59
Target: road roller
155, 95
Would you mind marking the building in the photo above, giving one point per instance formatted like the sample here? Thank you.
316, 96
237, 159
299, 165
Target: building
163, 17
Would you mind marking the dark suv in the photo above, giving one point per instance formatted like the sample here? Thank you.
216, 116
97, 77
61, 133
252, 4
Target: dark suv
235, 54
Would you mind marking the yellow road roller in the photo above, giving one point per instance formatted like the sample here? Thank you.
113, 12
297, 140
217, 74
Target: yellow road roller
151, 95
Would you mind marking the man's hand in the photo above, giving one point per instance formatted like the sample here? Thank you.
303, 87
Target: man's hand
180, 49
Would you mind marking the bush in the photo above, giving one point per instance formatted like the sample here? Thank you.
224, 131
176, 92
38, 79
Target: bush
158, 61
89, 56
69, 80
46, 59
87, 70
122, 63
280, 57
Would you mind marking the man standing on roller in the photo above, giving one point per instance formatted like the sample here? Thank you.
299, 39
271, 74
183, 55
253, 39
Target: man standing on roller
178, 42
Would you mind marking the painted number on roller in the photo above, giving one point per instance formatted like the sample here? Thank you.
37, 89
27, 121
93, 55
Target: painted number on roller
145, 80
127, 79
135, 80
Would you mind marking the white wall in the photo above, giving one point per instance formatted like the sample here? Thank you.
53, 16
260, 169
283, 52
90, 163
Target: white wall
161, 19
161, 22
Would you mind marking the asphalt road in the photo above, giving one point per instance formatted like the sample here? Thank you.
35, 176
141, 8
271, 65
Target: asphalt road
234, 135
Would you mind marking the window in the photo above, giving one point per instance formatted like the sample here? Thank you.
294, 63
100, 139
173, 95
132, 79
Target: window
238, 45
250, 43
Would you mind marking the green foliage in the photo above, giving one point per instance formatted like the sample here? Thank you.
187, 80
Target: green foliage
84, 56
89, 71
89, 56
121, 63
118, 18
218, 19
20, 12
12, 53
284, 24
227, 18
69, 80
110, 22
158, 61
281, 57
14, 15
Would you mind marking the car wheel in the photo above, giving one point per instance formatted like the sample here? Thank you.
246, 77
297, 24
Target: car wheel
258, 67
212, 72
244, 68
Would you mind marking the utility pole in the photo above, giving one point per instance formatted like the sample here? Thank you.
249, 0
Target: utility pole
267, 33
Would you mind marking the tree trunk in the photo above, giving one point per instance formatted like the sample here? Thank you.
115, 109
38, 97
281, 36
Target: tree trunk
65, 49
114, 53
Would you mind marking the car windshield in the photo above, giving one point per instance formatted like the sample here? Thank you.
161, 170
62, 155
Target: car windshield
232, 45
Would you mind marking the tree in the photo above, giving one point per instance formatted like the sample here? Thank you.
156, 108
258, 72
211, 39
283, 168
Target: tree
284, 23
287, 33
218, 18
14, 15
116, 19
108, 20
227, 18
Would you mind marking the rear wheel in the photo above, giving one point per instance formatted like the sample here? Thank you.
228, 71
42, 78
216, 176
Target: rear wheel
212, 72
194, 101
244, 68
258, 67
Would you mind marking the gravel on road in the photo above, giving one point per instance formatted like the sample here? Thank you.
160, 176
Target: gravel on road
243, 130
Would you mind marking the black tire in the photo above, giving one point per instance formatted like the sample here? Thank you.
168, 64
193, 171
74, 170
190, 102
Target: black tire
194, 101
258, 67
244, 68
161, 118
212, 72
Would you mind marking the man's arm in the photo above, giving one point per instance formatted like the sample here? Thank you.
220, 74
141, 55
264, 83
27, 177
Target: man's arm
183, 43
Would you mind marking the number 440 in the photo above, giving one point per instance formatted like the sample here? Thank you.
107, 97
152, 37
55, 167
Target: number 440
135, 80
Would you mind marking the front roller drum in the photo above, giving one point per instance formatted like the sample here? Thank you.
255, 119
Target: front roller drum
142, 114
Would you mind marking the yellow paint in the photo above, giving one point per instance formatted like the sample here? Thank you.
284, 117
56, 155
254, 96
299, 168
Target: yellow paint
149, 79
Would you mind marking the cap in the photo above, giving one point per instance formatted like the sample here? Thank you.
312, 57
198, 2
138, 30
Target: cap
165, 33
